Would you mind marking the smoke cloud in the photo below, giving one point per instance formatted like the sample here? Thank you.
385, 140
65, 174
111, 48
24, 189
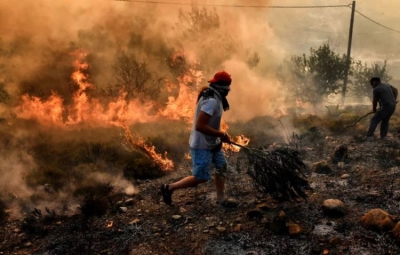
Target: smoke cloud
181, 44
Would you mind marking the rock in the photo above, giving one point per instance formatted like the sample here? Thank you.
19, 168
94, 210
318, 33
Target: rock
334, 207
255, 213
28, 244
345, 176
231, 203
340, 154
238, 228
321, 167
335, 241
135, 221
294, 229
211, 225
129, 202
377, 220
221, 229
182, 210
176, 217
123, 209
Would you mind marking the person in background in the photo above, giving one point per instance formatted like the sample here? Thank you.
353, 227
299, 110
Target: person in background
386, 96
206, 139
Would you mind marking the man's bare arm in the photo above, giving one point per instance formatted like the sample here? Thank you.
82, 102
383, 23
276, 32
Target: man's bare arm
203, 127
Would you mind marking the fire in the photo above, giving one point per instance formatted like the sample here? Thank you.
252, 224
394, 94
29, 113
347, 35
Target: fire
182, 107
110, 224
85, 110
81, 102
119, 111
165, 163
49, 111
240, 139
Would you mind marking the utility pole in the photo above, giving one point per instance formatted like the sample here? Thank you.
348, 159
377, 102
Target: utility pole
353, 8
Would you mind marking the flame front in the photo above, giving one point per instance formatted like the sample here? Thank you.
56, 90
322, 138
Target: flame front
119, 111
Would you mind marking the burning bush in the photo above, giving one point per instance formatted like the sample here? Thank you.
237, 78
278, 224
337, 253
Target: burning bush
95, 199
135, 79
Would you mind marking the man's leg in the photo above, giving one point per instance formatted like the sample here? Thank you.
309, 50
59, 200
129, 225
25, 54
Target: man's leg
374, 123
220, 173
187, 182
219, 182
385, 122
201, 160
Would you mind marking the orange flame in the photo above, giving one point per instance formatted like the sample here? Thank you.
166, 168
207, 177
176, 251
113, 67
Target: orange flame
119, 112
49, 111
240, 139
81, 102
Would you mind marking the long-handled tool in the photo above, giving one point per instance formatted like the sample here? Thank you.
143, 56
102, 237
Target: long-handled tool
352, 125
278, 172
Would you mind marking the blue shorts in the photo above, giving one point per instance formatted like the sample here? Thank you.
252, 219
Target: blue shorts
203, 161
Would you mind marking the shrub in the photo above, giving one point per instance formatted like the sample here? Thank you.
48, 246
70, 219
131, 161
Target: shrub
35, 221
47, 174
94, 200
306, 122
140, 166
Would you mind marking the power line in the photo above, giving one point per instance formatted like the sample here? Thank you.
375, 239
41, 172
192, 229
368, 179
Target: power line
377, 23
239, 6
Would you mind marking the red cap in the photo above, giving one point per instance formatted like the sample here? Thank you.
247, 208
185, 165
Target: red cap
221, 76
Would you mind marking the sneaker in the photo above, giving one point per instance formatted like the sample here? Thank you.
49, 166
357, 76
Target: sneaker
166, 193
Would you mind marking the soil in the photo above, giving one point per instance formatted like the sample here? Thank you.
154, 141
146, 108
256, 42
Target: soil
194, 224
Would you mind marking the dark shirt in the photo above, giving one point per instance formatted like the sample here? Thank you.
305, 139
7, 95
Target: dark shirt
383, 93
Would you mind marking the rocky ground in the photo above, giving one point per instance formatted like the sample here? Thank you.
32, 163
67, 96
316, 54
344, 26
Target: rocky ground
141, 224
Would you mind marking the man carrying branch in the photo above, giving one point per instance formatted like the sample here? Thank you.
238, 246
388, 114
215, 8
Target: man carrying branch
206, 139
386, 96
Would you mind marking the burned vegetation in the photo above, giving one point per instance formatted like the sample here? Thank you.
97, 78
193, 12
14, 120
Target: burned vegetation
93, 122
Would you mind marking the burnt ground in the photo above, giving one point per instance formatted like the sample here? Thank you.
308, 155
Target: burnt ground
195, 225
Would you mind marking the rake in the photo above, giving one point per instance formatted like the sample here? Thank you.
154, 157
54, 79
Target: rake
279, 173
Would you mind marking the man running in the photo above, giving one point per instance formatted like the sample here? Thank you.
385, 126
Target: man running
206, 139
